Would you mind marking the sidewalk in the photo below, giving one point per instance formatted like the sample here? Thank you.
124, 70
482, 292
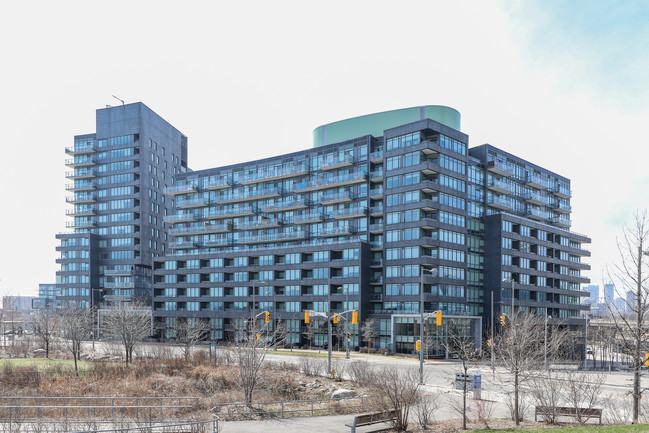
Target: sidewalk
320, 424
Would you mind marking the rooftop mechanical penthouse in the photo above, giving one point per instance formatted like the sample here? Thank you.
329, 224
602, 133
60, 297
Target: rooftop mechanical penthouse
382, 206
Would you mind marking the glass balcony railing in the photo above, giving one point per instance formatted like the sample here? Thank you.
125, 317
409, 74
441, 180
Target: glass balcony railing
500, 167
536, 181
81, 173
376, 210
81, 186
80, 161
230, 213
338, 197
338, 231
180, 189
82, 198
251, 195
202, 229
80, 148
323, 183
351, 212
216, 184
219, 242
376, 228
537, 214
500, 203
274, 237
273, 174
535, 198
80, 211
192, 203
264, 223
561, 207
500, 186
560, 190
308, 218
85, 224
284, 206
182, 245
376, 156
337, 162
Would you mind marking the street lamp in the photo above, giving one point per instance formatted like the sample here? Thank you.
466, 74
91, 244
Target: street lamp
421, 323
346, 325
329, 326
546, 340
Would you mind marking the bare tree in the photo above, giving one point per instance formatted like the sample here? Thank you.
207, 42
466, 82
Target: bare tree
425, 408
76, 326
128, 322
308, 331
249, 355
461, 345
44, 324
368, 332
520, 350
190, 332
399, 387
632, 274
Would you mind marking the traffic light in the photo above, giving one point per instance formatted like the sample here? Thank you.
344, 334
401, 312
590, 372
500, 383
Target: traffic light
335, 319
354, 317
258, 337
502, 319
349, 335
489, 342
306, 316
418, 345
438, 321
267, 317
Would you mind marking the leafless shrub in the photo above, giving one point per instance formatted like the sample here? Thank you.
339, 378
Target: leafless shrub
130, 323
484, 411
524, 405
546, 391
425, 408
311, 366
360, 371
582, 391
618, 409
398, 386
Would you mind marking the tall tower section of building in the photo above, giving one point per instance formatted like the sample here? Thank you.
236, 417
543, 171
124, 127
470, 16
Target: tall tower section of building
117, 176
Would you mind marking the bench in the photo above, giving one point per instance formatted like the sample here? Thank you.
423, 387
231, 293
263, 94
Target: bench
373, 418
574, 412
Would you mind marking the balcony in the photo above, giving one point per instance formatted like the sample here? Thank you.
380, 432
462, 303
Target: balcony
376, 193
285, 206
376, 280
376, 263
560, 191
537, 214
270, 175
81, 161
376, 210
376, 228
561, 222
376, 156
80, 198
376, 245
118, 285
202, 229
340, 197
500, 203
500, 168
182, 245
179, 218
308, 218
352, 212
500, 186
323, 183
536, 181
220, 242
535, 198
259, 224
80, 211
80, 224
180, 189
192, 203
118, 272
376, 297
275, 237
81, 173
376, 176
230, 213
251, 195
81, 186
80, 149
561, 207
216, 184
339, 162
338, 231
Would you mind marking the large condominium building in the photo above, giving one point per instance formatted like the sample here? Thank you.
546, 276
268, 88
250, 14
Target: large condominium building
382, 206
117, 177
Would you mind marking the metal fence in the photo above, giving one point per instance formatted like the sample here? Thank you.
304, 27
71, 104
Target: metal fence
210, 426
66, 408
284, 409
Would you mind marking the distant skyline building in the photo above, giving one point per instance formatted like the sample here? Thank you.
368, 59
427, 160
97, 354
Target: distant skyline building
609, 293
631, 301
593, 299
620, 306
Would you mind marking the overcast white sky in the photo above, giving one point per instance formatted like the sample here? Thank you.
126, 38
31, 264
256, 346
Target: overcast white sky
562, 84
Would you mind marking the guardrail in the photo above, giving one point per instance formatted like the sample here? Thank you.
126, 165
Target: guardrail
194, 427
38, 408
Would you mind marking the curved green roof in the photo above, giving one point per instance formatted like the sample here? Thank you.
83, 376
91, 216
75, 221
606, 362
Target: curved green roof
375, 124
